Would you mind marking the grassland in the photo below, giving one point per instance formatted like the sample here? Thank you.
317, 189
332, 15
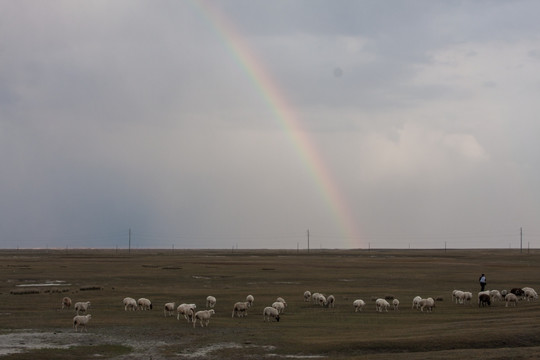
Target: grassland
31, 318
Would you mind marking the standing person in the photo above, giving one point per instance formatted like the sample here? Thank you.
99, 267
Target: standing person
482, 282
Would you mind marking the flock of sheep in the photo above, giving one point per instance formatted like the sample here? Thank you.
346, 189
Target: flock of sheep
78, 320
188, 311
487, 297
273, 312
358, 304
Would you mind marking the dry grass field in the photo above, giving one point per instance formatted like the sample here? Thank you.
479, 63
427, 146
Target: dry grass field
33, 324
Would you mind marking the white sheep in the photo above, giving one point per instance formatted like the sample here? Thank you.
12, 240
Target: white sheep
203, 316
278, 305
250, 300
459, 296
467, 297
281, 300
307, 295
358, 304
530, 294
495, 295
395, 303
315, 297
240, 309
454, 298
186, 310
168, 309
322, 299
381, 304
81, 320
81, 306
210, 301
270, 312
511, 299
66, 302
416, 302
129, 304
428, 303
330, 301
144, 304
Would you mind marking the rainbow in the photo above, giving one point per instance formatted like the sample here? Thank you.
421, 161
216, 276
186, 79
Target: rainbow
261, 79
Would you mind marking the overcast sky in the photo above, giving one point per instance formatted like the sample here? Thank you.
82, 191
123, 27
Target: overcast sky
419, 120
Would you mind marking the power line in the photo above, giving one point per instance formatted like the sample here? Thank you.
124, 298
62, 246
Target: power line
457, 239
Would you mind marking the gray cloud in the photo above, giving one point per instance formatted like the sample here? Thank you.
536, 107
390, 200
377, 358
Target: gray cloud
140, 115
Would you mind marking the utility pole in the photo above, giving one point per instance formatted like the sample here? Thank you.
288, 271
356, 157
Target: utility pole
129, 243
521, 240
308, 240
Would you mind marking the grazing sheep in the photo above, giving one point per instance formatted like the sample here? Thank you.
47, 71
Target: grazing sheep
381, 304
66, 303
517, 291
210, 301
270, 312
395, 303
530, 294
315, 297
511, 298
144, 304
358, 304
250, 299
330, 301
187, 310
485, 292
416, 302
459, 296
281, 300
81, 320
495, 295
129, 304
527, 288
203, 316
240, 309
483, 300
428, 303
322, 300
168, 309
467, 297
503, 293
454, 297
278, 305
307, 295
81, 306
